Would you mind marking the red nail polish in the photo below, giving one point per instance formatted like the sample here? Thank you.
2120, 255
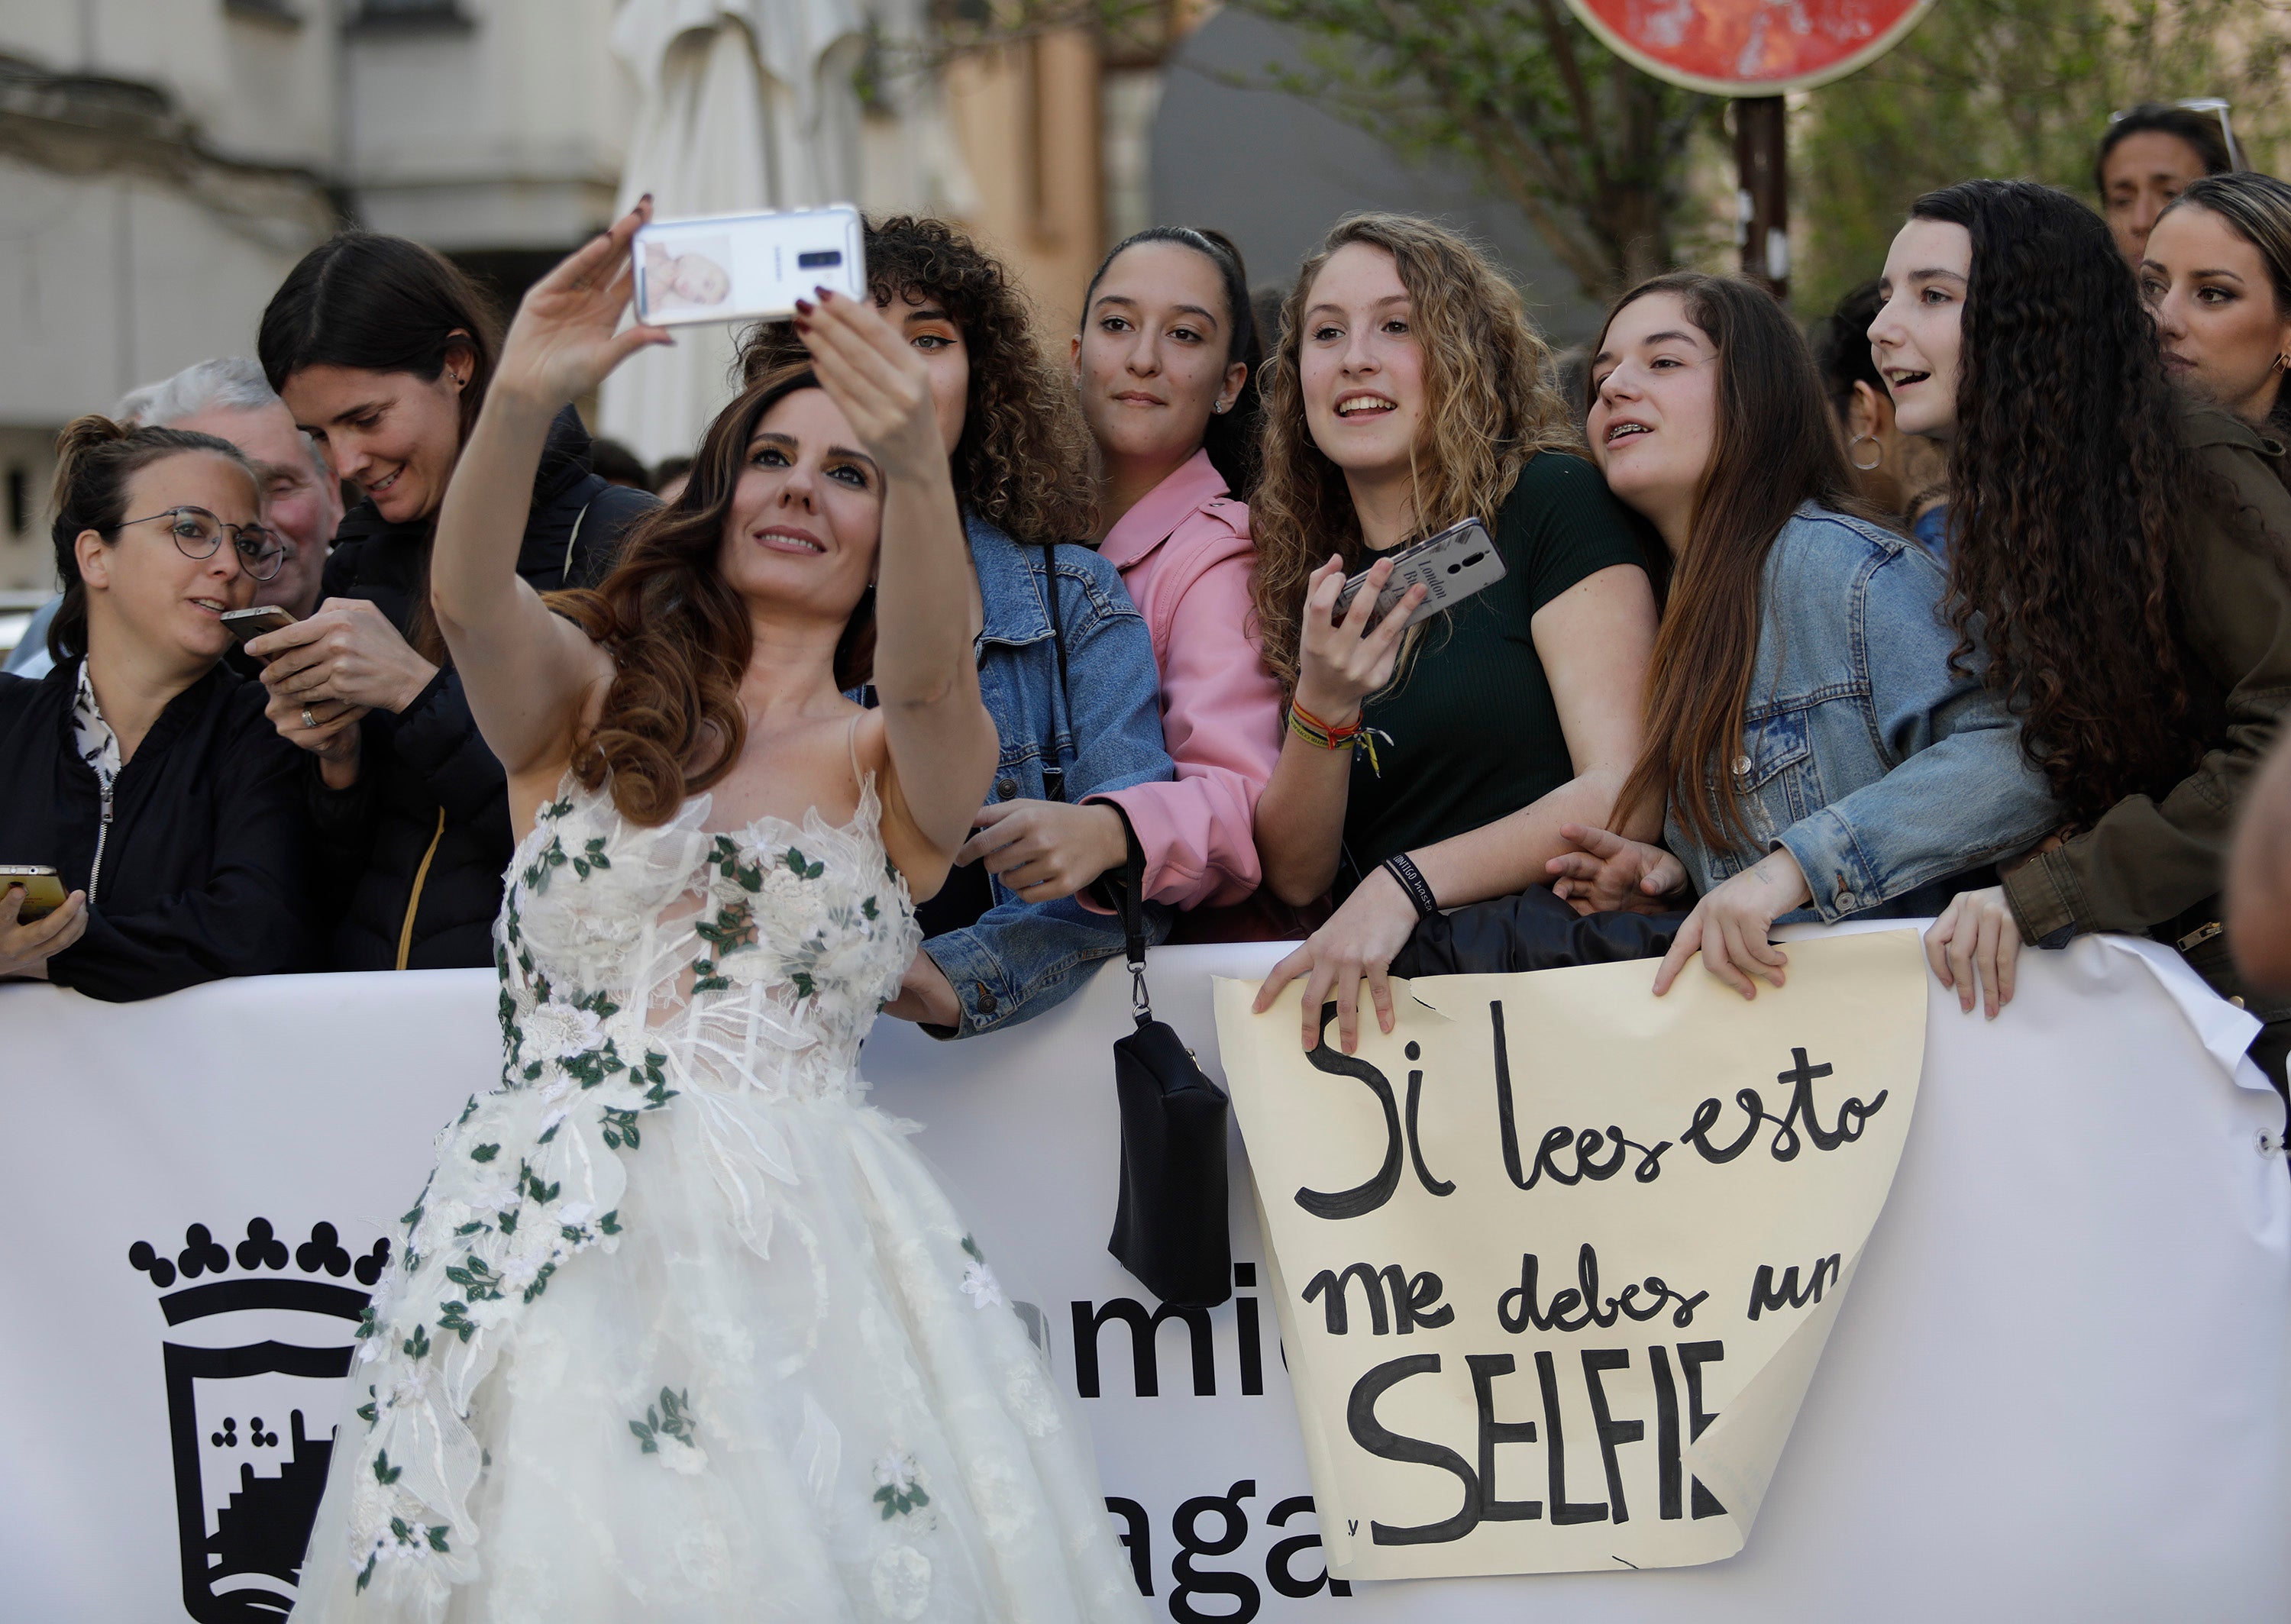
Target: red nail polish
803, 307
825, 293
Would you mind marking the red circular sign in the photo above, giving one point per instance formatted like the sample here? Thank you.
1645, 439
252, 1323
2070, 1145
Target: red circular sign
1749, 47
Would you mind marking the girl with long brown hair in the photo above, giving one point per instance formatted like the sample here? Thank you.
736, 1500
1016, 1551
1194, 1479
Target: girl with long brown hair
1065, 659
1409, 392
674, 1277
2120, 549
1814, 751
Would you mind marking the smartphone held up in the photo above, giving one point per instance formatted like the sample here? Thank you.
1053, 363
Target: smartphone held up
1450, 566
745, 266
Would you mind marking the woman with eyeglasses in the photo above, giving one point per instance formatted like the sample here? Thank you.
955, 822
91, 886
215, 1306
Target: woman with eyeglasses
382, 350
141, 768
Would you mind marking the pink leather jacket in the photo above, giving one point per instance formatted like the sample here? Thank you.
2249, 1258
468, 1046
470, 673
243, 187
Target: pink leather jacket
1185, 554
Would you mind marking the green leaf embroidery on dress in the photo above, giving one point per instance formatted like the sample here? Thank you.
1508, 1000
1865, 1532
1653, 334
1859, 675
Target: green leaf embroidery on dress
671, 1417
898, 1484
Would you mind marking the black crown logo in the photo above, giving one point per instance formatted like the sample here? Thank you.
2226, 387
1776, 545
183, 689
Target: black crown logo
241, 1565
203, 1254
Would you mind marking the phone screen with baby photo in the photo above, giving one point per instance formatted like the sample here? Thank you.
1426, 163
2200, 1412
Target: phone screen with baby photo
743, 267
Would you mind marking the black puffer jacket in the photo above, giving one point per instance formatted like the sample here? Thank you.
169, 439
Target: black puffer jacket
420, 843
202, 872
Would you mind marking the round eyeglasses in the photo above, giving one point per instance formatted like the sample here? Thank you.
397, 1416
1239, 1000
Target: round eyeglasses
197, 534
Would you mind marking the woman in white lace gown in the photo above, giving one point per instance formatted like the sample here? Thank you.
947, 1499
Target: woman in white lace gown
680, 1329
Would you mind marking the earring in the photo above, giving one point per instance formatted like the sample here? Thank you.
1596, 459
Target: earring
1866, 468
1220, 406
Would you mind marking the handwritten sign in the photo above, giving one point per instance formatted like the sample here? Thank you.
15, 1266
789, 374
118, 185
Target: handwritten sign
1556, 1260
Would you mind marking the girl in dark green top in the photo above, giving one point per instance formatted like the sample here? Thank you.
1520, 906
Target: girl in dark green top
1434, 768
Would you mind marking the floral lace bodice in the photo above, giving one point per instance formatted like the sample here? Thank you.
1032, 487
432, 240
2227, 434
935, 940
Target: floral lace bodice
750, 958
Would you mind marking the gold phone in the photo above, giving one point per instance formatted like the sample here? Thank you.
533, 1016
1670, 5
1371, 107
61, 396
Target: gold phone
260, 620
44, 888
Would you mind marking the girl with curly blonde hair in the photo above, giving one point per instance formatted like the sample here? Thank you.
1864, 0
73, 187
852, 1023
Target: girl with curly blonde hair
1410, 391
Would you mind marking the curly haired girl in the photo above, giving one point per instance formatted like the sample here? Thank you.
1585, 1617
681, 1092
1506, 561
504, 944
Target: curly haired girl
1410, 391
2120, 554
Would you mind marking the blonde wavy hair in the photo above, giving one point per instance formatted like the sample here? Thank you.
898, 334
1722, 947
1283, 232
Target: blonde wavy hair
1490, 405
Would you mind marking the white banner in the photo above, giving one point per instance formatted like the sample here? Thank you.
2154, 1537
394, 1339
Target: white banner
2061, 1387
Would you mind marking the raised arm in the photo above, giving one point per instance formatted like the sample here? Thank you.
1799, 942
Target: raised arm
528, 672
932, 734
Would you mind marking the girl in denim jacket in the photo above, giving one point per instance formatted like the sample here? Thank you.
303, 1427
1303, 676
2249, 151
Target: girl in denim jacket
1819, 756
1069, 681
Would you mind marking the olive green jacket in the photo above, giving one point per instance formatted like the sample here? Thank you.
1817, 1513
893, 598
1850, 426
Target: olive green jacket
2154, 867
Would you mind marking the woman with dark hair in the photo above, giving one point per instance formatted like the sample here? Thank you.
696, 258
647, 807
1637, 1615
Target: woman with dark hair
1901, 476
1165, 366
2121, 557
382, 351
674, 1279
1065, 659
1432, 769
2217, 279
1816, 755
140, 767
2149, 156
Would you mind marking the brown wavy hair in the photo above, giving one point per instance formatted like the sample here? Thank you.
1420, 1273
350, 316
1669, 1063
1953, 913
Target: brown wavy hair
2071, 497
1490, 405
1023, 463
1776, 446
672, 725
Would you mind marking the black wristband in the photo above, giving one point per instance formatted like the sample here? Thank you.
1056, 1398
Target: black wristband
1412, 882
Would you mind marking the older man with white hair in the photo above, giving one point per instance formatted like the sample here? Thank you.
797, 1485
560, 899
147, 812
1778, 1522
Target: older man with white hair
230, 399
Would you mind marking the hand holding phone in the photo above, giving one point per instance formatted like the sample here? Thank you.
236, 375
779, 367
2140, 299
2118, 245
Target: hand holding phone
36, 920
745, 266
1450, 566
42, 888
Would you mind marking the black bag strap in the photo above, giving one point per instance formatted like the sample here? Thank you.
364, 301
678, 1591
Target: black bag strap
1054, 775
1130, 899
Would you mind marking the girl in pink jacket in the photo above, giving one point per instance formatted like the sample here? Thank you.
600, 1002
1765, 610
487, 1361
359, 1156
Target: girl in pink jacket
1165, 363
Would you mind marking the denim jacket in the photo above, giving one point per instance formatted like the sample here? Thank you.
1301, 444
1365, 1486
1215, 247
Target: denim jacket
1880, 770
1104, 731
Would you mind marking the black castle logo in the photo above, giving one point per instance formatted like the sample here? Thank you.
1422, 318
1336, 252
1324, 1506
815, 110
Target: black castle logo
265, 1408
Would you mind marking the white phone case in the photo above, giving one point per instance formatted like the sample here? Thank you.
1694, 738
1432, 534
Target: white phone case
745, 266
1450, 567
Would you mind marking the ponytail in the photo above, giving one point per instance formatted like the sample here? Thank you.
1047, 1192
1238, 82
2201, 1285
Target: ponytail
1231, 438
95, 460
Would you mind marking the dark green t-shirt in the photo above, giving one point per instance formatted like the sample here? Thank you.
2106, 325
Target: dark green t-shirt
1470, 733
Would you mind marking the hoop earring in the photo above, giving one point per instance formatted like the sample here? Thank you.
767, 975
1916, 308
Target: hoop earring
1866, 468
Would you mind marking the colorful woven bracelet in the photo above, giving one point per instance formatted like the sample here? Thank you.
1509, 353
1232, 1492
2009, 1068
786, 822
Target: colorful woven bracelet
1319, 733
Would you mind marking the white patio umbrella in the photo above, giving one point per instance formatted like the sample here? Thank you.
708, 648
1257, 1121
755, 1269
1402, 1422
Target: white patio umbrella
745, 104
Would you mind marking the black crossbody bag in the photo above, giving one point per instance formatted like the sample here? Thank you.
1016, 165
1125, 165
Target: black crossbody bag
1172, 1226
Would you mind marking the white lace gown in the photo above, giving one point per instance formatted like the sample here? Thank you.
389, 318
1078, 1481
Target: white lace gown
680, 1328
